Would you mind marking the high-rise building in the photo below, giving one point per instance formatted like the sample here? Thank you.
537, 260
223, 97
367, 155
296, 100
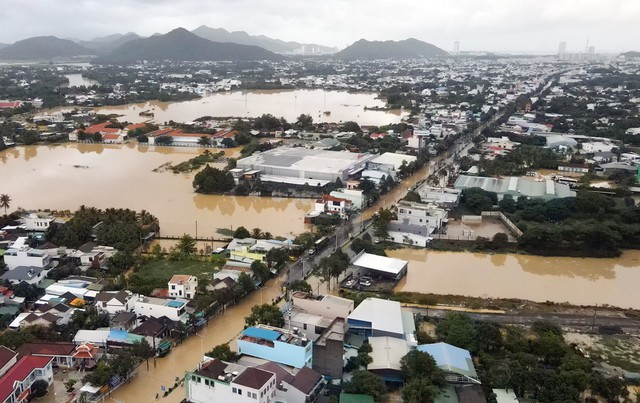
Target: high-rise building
456, 47
562, 50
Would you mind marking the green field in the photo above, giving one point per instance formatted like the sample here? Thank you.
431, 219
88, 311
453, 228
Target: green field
161, 271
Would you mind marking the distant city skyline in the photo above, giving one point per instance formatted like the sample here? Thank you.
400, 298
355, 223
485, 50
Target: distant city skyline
485, 25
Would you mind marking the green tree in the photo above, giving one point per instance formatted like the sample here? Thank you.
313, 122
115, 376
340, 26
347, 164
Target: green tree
260, 271
418, 365
381, 223
204, 141
458, 330
5, 203
213, 180
365, 382
223, 352
241, 233
418, 391
39, 388
304, 122
187, 245
265, 314
245, 283
300, 285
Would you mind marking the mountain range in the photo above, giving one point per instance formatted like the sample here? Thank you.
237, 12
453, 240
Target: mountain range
43, 48
274, 45
406, 49
108, 43
182, 45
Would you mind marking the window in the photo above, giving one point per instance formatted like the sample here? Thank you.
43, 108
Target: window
173, 287
234, 390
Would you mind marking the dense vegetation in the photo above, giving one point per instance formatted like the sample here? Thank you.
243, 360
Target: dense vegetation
590, 224
121, 228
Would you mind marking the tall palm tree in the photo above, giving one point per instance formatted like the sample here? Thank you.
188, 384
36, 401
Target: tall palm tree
5, 202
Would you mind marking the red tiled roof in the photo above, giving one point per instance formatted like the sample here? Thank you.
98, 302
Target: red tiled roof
6, 355
101, 128
111, 137
19, 372
327, 198
177, 133
136, 126
7, 105
225, 134
48, 349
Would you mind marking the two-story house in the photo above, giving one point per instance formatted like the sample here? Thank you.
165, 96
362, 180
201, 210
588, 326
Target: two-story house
218, 381
277, 345
183, 286
113, 302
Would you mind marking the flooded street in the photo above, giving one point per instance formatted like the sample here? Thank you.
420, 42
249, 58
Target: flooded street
76, 80
64, 177
580, 281
185, 357
342, 105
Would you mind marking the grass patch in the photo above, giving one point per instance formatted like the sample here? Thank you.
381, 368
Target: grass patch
161, 271
619, 352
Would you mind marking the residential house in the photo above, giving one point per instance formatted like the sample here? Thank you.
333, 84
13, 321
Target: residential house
28, 274
356, 197
442, 197
15, 385
183, 286
37, 221
113, 302
123, 321
277, 345
26, 256
174, 309
61, 353
27, 319
249, 250
218, 381
305, 386
334, 205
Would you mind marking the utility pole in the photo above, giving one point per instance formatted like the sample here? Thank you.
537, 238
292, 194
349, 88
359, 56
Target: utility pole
196, 230
595, 312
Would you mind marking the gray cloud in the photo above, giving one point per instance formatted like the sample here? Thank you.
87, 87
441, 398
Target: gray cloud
498, 25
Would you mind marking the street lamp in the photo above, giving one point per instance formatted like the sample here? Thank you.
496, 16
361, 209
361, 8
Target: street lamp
202, 347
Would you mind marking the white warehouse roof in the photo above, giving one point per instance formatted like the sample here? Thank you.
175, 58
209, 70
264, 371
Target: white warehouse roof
384, 315
379, 263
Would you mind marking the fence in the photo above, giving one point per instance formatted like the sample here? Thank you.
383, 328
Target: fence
506, 221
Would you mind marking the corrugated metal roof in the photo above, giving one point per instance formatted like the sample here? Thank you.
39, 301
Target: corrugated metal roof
450, 358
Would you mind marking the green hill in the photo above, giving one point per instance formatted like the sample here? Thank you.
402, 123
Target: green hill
182, 45
406, 49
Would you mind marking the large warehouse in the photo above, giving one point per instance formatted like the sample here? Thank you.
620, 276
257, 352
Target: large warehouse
302, 165
516, 187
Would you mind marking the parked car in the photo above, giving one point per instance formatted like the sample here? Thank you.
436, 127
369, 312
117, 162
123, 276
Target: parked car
365, 281
351, 282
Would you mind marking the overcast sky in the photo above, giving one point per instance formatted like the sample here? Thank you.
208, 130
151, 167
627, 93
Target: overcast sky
494, 25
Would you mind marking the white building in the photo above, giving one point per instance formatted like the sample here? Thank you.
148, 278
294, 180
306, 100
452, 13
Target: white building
37, 222
113, 302
376, 317
218, 381
441, 197
333, 205
426, 215
355, 195
26, 256
390, 163
174, 309
27, 274
183, 286
597, 147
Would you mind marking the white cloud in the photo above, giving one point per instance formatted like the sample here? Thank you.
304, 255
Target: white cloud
610, 25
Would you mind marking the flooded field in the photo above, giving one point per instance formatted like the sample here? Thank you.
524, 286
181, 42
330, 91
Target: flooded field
341, 105
580, 281
64, 177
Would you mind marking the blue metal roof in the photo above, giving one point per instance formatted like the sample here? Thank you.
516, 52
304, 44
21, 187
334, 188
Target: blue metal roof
450, 358
260, 333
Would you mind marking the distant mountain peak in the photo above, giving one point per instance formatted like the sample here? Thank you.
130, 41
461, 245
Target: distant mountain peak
274, 45
182, 45
43, 48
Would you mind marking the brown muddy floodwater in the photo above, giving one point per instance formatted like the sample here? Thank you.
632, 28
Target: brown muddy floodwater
580, 281
64, 177
342, 105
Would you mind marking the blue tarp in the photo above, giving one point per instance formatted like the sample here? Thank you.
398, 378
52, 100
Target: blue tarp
260, 333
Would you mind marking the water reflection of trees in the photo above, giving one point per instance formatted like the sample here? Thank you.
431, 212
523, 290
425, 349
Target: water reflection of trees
30, 152
589, 268
10, 152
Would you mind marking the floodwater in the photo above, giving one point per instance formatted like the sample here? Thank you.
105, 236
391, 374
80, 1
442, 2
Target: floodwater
580, 281
344, 106
76, 80
64, 177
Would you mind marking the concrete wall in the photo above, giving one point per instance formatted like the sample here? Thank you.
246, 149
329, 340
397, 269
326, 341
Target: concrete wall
283, 353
